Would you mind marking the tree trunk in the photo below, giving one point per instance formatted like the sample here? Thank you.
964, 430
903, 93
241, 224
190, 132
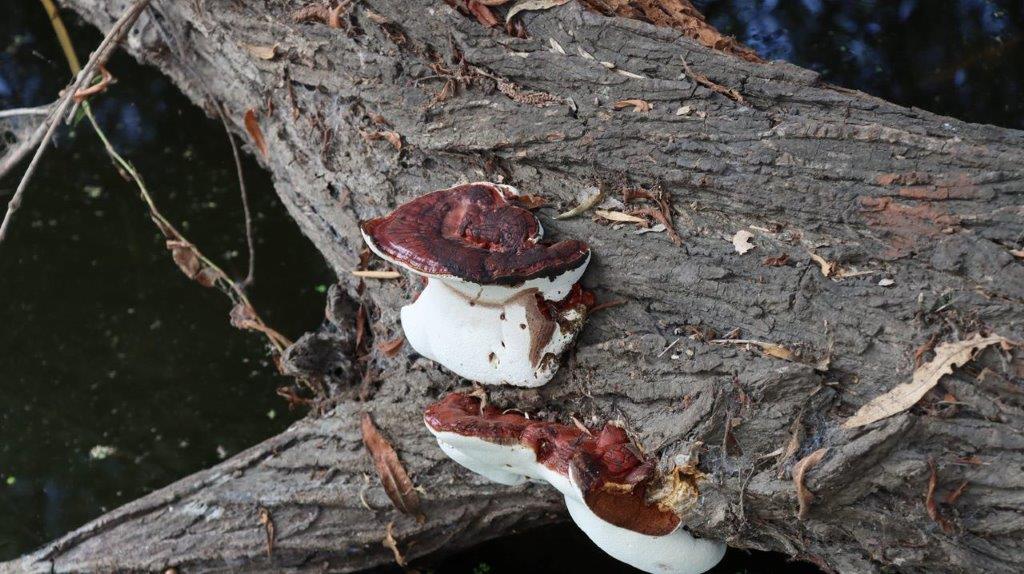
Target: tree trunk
810, 169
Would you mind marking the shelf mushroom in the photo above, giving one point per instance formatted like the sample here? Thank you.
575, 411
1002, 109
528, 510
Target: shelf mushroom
603, 478
499, 305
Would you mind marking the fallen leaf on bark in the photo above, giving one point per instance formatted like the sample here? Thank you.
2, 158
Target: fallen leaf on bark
767, 349
659, 228
741, 241
268, 526
659, 216
955, 495
252, 126
369, 274
639, 106
619, 217
392, 137
525, 5
482, 13
592, 196
929, 499
777, 261
833, 271
262, 52
886, 282
390, 542
827, 267
804, 496
530, 201
947, 357
391, 348
393, 477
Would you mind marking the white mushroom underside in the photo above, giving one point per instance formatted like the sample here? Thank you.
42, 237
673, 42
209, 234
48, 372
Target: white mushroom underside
675, 553
489, 343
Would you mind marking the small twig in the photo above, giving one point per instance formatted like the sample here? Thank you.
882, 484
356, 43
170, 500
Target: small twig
15, 112
703, 80
106, 78
251, 275
606, 305
243, 315
666, 349
99, 57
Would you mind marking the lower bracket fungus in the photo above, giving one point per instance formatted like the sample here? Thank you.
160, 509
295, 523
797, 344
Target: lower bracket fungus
499, 305
602, 476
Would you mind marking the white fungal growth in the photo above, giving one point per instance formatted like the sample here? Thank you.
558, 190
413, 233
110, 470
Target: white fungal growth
492, 333
675, 553
492, 343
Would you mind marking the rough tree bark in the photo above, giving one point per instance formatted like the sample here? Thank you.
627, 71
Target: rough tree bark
931, 202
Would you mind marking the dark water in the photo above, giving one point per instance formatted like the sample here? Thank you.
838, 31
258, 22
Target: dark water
104, 343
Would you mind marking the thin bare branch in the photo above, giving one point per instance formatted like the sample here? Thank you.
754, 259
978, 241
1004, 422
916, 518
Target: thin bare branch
250, 243
98, 58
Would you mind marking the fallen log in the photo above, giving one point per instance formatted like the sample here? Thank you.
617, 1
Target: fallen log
875, 229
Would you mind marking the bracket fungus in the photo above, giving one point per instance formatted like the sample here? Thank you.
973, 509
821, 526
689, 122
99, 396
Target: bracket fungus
500, 305
603, 478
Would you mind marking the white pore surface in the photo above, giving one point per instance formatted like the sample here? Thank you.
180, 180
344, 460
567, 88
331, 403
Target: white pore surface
674, 553
473, 341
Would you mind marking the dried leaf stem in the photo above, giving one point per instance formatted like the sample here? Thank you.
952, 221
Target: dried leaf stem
67, 101
217, 275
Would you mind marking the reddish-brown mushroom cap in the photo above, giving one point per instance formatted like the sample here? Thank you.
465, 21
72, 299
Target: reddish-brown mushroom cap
610, 471
472, 232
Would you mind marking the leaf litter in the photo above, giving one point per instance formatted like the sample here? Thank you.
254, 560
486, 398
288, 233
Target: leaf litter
948, 356
393, 476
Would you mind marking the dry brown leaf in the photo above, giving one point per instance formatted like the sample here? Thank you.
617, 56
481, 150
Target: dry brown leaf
1017, 253
394, 138
105, 80
929, 499
955, 495
832, 270
947, 357
393, 478
390, 542
827, 267
678, 14
767, 349
482, 13
262, 52
252, 125
369, 274
268, 526
391, 348
638, 105
618, 216
526, 5
590, 201
741, 241
777, 261
530, 201
659, 216
778, 351
185, 256
804, 496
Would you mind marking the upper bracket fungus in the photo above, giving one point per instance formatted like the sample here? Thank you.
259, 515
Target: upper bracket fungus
602, 476
499, 305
